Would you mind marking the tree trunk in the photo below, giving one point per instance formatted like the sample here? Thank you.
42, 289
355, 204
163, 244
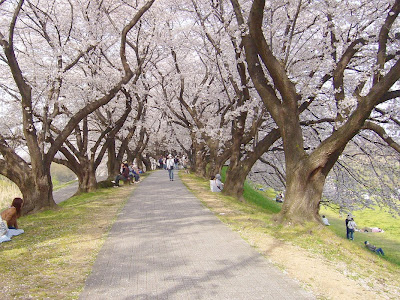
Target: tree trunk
87, 178
201, 164
234, 182
146, 161
37, 193
303, 196
113, 166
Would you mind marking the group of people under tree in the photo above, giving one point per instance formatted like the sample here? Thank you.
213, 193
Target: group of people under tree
128, 173
351, 227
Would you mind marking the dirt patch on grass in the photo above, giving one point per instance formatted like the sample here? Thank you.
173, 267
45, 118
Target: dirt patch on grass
323, 264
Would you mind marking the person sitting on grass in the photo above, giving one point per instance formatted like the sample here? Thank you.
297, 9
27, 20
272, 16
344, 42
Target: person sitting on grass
213, 185
279, 198
11, 214
325, 221
134, 173
8, 220
374, 248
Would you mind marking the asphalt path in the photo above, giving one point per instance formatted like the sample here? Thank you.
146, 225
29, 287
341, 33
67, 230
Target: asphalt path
65, 193
166, 245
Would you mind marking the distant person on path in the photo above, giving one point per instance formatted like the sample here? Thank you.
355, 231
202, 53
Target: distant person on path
170, 167
124, 175
176, 162
351, 225
374, 248
325, 221
185, 163
161, 162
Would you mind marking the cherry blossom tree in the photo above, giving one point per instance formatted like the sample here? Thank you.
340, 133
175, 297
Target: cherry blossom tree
342, 56
42, 46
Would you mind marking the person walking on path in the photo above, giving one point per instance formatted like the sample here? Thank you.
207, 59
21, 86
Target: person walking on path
170, 167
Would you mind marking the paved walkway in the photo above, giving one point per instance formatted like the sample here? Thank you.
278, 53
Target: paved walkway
65, 192
167, 245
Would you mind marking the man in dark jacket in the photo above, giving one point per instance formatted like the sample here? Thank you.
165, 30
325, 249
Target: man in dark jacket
124, 175
373, 248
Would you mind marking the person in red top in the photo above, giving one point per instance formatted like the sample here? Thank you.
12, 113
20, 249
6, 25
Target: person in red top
11, 214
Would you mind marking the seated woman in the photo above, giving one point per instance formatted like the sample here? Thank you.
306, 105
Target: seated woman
124, 175
9, 216
215, 183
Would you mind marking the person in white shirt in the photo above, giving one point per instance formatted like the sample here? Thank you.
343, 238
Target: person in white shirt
170, 167
216, 184
351, 225
325, 221
213, 185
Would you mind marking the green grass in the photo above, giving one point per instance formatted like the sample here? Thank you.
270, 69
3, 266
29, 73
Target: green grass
262, 199
309, 243
55, 254
389, 240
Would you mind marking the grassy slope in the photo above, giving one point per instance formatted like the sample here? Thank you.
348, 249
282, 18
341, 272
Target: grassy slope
254, 220
389, 241
55, 254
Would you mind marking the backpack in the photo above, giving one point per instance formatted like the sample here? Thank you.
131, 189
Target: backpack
351, 225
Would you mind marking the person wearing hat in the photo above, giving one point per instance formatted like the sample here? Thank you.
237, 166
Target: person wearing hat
170, 167
374, 248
